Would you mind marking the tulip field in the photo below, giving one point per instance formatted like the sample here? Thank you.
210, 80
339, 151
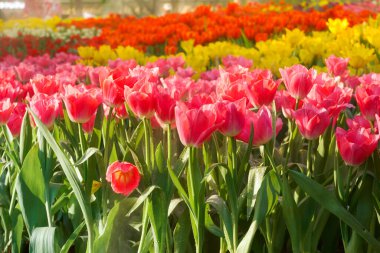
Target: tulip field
235, 129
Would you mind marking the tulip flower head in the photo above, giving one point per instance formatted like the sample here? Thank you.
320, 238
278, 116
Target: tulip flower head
6, 109
298, 80
123, 176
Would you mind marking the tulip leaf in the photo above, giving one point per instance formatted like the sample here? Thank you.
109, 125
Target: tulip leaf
137, 135
255, 179
30, 186
66, 247
69, 171
181, 233
26, 137
141, 199
267, 197
89, 152
225, 216
17, 229
211, 227
328, 200
44, 240
173, 204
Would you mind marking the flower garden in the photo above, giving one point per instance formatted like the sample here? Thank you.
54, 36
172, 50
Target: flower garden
241, 129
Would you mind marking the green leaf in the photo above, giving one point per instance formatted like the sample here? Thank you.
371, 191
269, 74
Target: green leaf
26, 137
211, 227
328, 200
291, 215
113, 238
141, 199
267, 197
225, 216
160, 158
44, 240
173, 204
137, 135
181, 233
17, 229
30, 187
255, 179
89, 152
66, 247
71, 177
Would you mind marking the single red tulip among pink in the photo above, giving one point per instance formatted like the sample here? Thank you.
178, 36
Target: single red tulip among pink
262, 127
311, 121
123, 176
261, 91
356, 145
46, 108
196, 125
231, 115
298, 80
81, 102
6, 109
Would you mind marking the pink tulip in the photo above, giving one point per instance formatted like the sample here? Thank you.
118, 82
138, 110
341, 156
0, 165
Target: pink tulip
311, 121
286, 103
262, 127
45, 84
337, 66
113, 89
194, 126
123, 176
88, 127
358, 122
81, 102
298, 80
231, 115
46, 108
6, 109
356, 145
368, 99
141, 100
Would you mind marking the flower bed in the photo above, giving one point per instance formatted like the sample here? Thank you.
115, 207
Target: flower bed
271, 147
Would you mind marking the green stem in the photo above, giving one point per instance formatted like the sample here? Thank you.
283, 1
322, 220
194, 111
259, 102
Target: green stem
169, 146
233, 170
309, 164
147, 145
144, 229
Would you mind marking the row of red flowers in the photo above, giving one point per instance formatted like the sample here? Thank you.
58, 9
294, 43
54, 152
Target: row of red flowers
160, 35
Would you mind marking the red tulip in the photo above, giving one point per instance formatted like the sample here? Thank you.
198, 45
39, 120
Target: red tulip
261, 91
6, 108
262, 127
165, 105
81, 102
231, 115
194, 126
123, 176
15, 120
46, 108
298, 80
88, 127
355, 145
45, 84
311, 121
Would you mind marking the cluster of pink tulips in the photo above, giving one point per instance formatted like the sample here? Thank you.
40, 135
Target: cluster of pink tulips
233, 118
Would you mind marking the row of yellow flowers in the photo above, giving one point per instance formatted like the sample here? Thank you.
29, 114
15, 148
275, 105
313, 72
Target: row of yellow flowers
360, 43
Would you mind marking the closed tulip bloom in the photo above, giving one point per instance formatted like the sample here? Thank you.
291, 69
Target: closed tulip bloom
45, 84
15, 120
196, 125
368, 99
298, 80
355, 145
261, 91
123, 176
311, 121
165, 105
81, 102
262, 127
46, 108
6, 109
231, 115
142, 101
113, 90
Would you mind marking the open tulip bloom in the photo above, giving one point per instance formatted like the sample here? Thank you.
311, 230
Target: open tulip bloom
157, 158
